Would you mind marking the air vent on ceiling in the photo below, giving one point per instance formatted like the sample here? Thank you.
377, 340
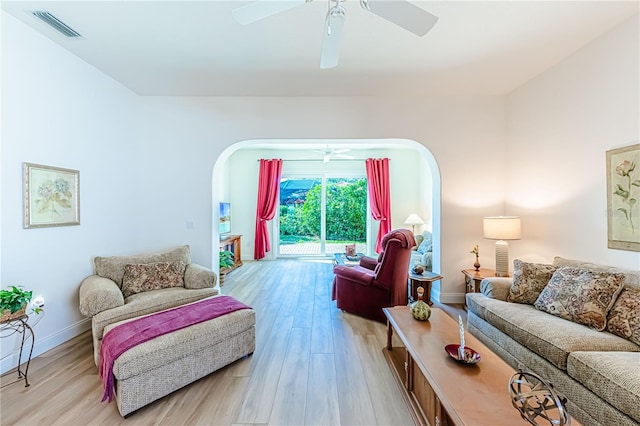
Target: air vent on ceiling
57, 24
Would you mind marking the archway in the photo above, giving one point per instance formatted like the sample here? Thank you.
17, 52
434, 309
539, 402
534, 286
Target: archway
227, 183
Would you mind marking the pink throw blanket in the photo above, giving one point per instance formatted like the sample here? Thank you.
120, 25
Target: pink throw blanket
125, 336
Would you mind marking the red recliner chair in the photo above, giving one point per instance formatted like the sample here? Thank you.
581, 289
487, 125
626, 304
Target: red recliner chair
367, 288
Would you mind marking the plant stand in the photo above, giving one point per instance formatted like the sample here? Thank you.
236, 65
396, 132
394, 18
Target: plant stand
9, 328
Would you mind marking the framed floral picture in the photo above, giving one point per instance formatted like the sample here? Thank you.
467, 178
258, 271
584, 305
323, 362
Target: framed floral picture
51, 196
623, 194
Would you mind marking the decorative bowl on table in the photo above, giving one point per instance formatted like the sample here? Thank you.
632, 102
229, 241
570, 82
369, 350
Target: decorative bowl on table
469, 357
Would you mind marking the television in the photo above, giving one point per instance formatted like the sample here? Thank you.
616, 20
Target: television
224, 225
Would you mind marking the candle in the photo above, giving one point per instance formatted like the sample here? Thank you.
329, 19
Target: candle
461, 327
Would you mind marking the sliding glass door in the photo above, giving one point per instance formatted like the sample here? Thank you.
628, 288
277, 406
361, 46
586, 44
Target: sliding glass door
319, 215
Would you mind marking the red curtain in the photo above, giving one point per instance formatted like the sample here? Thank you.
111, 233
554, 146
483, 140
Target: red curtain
379, 195
268, 192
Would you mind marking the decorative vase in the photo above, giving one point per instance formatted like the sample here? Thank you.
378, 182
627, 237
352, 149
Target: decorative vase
477, 264
419, 309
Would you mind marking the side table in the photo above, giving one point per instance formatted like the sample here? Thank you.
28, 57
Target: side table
415, 281
473, 278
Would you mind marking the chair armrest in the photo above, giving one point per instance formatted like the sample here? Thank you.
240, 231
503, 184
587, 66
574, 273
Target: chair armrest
368, 262
98, 294
356, 274
496, 287
198, 277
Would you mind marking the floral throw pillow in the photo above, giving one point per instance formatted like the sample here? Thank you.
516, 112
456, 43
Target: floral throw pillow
140, 277
580, 295
624, 317
529, 279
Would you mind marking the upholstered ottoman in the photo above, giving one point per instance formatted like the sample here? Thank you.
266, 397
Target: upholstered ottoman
166, 363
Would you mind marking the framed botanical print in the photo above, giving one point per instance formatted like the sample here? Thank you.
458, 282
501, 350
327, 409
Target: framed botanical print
623, 194
51, 196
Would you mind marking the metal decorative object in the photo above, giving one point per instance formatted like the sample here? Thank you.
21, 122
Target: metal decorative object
536, 399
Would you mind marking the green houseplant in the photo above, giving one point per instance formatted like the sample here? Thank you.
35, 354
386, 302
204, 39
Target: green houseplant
13, 303
226, 262
226, 259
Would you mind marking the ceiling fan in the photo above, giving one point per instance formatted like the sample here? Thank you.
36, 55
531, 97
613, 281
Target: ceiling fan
329, 153
399, 12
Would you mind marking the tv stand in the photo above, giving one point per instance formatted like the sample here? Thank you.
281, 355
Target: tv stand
233, 244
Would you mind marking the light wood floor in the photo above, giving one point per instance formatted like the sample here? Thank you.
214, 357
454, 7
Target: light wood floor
313, 364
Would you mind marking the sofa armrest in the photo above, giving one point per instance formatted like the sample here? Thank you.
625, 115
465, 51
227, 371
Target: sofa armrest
496, 287
197, 277
355, 274
368, 262
98, 294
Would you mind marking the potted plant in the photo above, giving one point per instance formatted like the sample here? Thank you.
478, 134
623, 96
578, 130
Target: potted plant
13, 303
226, 262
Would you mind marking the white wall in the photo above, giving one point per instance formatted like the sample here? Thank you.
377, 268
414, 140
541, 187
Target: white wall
559, 127
466, 136
59, 111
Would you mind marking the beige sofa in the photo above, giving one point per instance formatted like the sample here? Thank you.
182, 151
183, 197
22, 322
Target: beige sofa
102, 298
598, 371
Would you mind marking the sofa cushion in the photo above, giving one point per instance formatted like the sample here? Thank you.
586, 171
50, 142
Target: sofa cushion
609, 375
580, 295
426, 245
141, 277
624, 318
160, 351
529, 279
631, 278
142, 304
551, 337
113, 267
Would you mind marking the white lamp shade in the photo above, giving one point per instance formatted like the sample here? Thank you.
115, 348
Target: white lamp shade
414, 219
501, 228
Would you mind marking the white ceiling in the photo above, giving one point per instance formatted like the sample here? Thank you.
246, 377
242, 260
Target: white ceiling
196, 48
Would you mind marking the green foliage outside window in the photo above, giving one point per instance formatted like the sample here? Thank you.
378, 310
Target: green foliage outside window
346, 212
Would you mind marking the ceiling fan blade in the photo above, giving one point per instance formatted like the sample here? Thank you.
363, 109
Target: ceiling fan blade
344, 157
261, 9
403, 14
340, 151
332, 38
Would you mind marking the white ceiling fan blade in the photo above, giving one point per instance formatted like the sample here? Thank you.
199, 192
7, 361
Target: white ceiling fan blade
403, 14
261, 9
344, 156
332, 38
340, 151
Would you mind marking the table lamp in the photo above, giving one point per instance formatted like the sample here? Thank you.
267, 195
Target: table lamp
501, 228
413, 220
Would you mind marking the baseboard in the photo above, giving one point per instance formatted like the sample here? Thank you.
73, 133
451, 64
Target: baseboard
43, 345
447, 297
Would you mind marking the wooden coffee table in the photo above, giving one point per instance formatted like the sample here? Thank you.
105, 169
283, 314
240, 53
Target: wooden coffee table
439, 390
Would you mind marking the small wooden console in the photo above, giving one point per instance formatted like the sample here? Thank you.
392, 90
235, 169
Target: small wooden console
233, 244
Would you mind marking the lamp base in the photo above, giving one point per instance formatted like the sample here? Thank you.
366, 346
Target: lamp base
502, 258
